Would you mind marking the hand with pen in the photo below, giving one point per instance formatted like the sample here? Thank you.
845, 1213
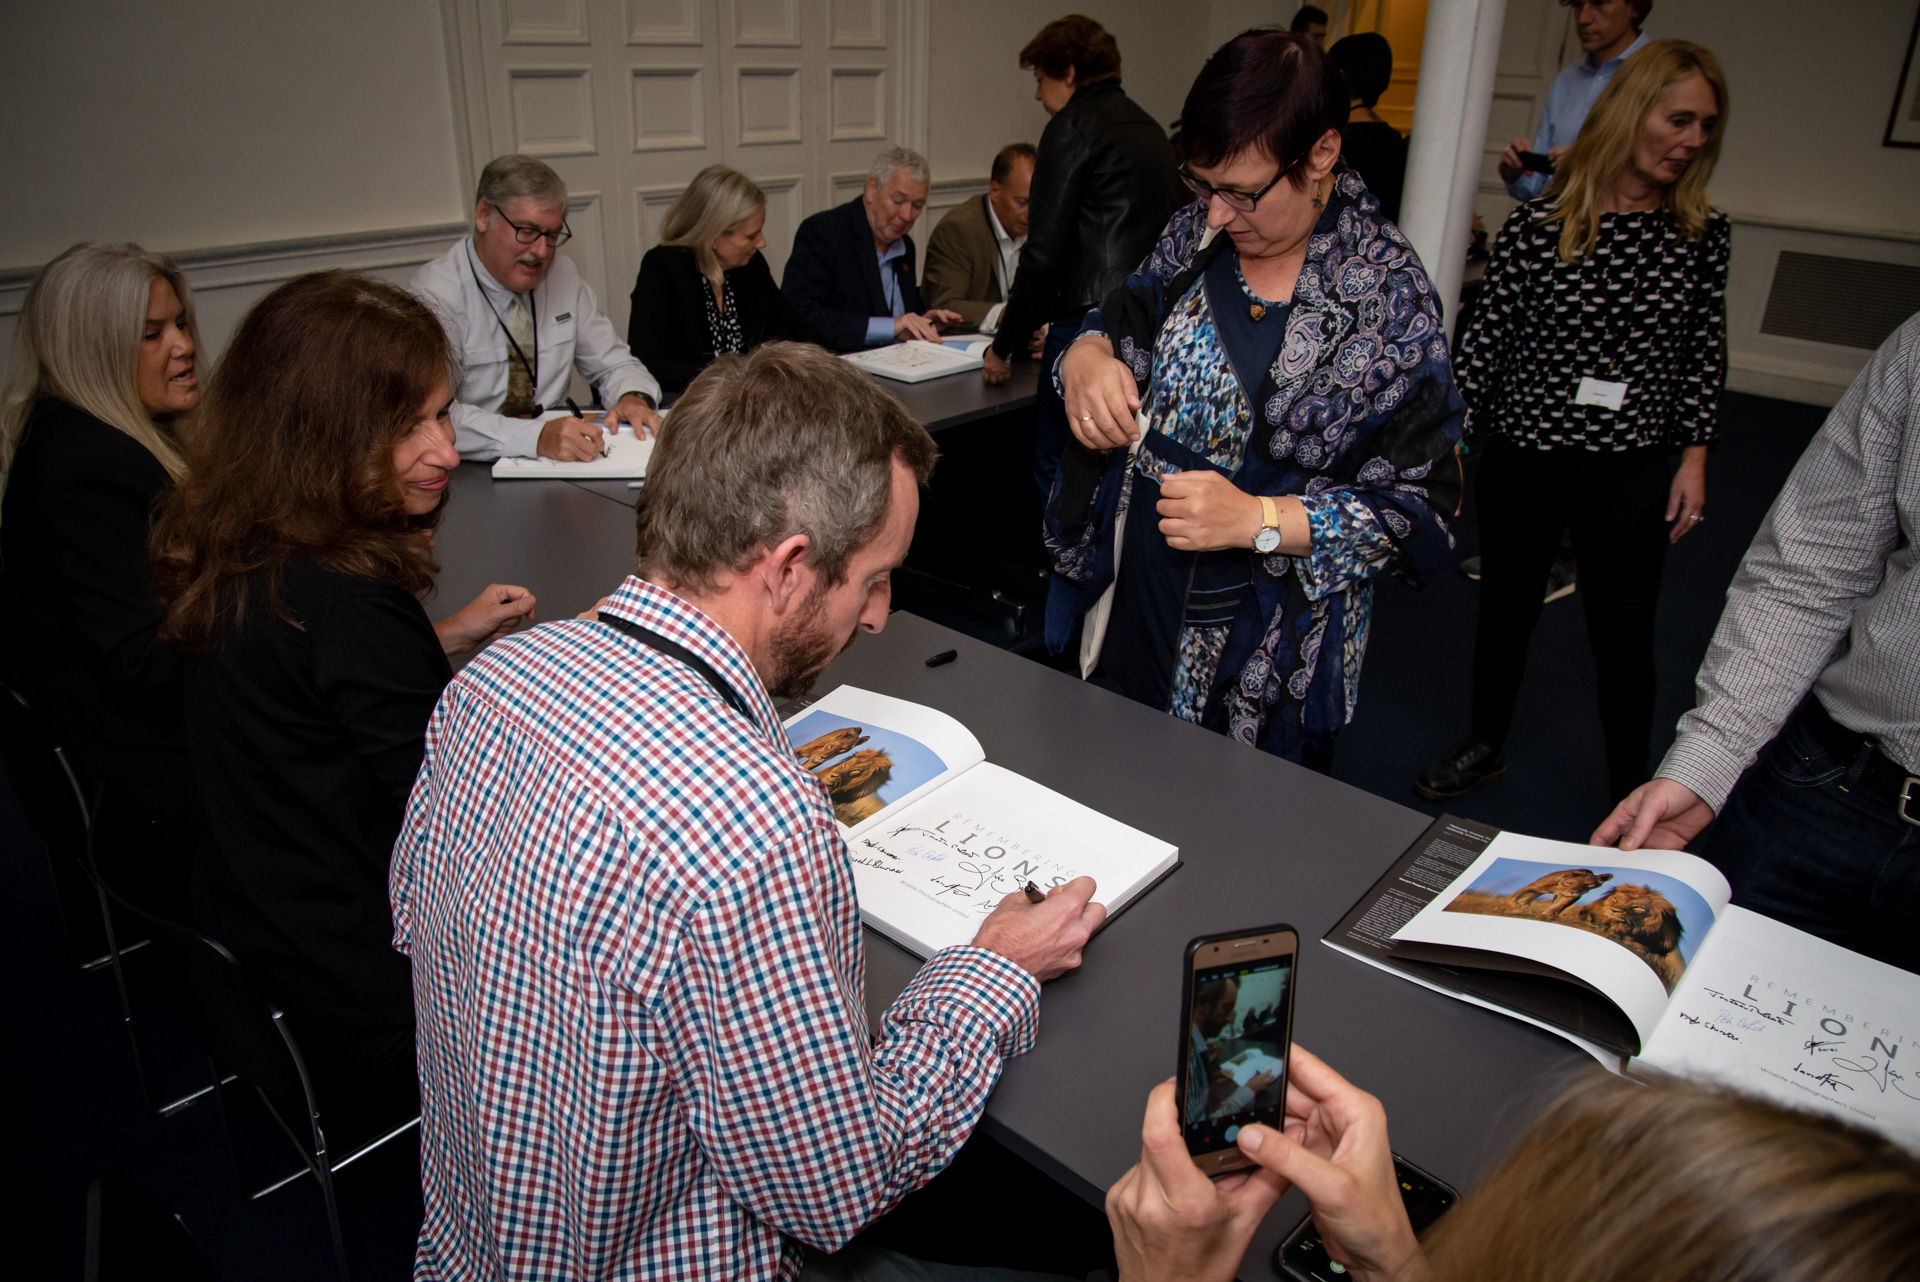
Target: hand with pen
577, 438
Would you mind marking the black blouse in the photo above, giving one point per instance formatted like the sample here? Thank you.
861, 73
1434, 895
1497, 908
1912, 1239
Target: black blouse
668, 327
1645, 308
306, 733
82, 631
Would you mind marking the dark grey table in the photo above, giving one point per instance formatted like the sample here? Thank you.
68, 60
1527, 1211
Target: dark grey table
1263, 841
939, 403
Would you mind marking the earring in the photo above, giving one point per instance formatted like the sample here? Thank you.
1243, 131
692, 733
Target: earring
1319, 199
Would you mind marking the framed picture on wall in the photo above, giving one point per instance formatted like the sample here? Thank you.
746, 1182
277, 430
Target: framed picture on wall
1903, 126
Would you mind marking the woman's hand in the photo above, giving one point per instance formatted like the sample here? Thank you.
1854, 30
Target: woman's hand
1689, 493
1171, 1221
488, 617
1100, 394
993, 369
1204, 512
1335, 1150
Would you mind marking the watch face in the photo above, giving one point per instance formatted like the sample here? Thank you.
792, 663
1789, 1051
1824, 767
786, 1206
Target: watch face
1268, 540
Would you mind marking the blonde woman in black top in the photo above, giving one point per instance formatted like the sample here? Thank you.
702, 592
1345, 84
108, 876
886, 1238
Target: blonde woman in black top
1597, 352
105, 378
705, 289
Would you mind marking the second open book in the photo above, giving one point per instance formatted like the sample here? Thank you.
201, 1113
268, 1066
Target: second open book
940, 835
1641, 956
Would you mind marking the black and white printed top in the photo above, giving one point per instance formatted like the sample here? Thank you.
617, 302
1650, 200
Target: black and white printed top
1645, 308
724, 322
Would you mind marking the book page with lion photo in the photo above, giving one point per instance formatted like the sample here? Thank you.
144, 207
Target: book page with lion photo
938, 835
1625, 924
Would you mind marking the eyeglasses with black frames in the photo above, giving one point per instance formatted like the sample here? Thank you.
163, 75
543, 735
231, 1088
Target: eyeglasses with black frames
1244, 201
527, 234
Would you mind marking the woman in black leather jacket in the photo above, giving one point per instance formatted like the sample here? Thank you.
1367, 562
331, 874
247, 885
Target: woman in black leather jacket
1104, 184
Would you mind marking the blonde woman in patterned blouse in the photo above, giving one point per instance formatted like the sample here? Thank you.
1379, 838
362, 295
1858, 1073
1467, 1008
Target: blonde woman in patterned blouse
1598, 352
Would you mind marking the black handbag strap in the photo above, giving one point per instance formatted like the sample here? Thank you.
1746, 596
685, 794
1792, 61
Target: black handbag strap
674, 650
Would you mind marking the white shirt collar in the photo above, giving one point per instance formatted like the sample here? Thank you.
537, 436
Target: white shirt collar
999, 232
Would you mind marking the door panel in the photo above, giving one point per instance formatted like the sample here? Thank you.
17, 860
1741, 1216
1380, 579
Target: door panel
628, 99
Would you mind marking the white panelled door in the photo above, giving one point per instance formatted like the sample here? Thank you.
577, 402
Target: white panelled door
628, 99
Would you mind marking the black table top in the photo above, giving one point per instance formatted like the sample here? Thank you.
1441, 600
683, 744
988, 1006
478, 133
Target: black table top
1263, 841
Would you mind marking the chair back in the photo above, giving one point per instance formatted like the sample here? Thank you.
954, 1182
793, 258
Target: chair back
43, 777
234, 1021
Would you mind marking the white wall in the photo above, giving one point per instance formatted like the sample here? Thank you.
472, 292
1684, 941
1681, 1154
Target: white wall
1810, 90
221, 122
979, 99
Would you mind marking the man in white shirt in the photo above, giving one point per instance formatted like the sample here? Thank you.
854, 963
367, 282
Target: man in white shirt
523, 321
1609, 32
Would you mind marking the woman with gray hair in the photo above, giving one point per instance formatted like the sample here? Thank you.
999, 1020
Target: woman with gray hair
105, 381
705, 290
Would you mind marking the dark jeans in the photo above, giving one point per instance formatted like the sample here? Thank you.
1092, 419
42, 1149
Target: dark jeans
1050, 431
1616, 504
1838, 864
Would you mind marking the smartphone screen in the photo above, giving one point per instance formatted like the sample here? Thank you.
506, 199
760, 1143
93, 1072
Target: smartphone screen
1239, 1024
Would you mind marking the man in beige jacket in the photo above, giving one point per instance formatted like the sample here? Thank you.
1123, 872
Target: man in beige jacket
975, 251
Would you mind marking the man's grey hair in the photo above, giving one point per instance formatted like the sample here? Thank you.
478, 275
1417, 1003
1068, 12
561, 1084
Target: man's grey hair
894, 159
506, 177
788, 440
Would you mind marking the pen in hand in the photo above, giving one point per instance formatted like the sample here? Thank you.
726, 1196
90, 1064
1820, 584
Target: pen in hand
606, 446
1034, 894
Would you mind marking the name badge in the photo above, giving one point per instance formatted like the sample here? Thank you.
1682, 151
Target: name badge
563, 317
1598, 391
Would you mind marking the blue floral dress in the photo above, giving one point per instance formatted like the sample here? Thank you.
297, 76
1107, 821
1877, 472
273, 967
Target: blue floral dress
1344, 399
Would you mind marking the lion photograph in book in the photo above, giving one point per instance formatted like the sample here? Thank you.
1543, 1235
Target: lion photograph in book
1658, 919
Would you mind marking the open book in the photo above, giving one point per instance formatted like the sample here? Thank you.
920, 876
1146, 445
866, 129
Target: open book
916, 361
939, 835
625, 459
1640, 955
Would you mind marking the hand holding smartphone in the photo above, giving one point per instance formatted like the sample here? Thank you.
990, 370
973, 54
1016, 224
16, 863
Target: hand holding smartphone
1236, 1029
1537, 162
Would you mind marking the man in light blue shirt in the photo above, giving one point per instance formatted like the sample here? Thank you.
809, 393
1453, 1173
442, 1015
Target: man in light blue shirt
1609, 32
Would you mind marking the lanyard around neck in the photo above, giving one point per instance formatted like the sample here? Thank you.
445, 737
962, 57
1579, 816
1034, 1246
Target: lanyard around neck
531, 366
674, 650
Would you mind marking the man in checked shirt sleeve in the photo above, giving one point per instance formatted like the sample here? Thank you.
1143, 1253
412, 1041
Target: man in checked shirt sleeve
1823, 833
638, 976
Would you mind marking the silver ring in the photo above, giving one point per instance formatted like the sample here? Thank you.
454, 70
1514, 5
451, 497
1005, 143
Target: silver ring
1698, 517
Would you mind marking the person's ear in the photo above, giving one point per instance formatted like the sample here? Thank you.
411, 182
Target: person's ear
786, 575
1073, 74
1326, 151
481, 217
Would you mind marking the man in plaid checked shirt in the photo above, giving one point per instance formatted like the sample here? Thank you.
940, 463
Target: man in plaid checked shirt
637, 961
1815, 672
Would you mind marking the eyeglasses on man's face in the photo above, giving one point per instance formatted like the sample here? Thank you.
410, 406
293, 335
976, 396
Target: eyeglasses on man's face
527, 233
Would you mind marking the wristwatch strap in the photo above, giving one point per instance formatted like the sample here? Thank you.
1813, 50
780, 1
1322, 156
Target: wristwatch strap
1270, 512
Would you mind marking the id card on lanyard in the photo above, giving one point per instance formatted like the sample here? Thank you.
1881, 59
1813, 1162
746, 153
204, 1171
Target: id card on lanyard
1601, 392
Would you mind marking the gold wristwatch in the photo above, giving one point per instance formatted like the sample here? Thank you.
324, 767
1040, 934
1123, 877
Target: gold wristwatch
1267, 541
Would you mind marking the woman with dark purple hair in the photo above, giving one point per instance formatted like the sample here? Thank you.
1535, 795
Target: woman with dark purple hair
1269, 396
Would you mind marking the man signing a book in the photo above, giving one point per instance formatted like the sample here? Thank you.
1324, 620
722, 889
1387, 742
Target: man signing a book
596, 1102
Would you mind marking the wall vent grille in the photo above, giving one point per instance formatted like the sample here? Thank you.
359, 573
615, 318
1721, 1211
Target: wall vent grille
1852, 302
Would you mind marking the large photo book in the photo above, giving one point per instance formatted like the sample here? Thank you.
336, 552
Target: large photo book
1640, 958
940, 835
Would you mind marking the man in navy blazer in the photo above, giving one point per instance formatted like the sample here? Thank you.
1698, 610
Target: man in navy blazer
851, 270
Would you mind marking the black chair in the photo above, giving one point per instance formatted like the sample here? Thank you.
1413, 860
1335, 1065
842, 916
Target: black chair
64, 814
246, 1037
60, 810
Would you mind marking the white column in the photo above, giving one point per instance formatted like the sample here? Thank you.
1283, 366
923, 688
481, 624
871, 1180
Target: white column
1457, 64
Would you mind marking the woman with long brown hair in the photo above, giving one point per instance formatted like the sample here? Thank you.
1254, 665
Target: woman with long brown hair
105, 382
1596, 354
292, 561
